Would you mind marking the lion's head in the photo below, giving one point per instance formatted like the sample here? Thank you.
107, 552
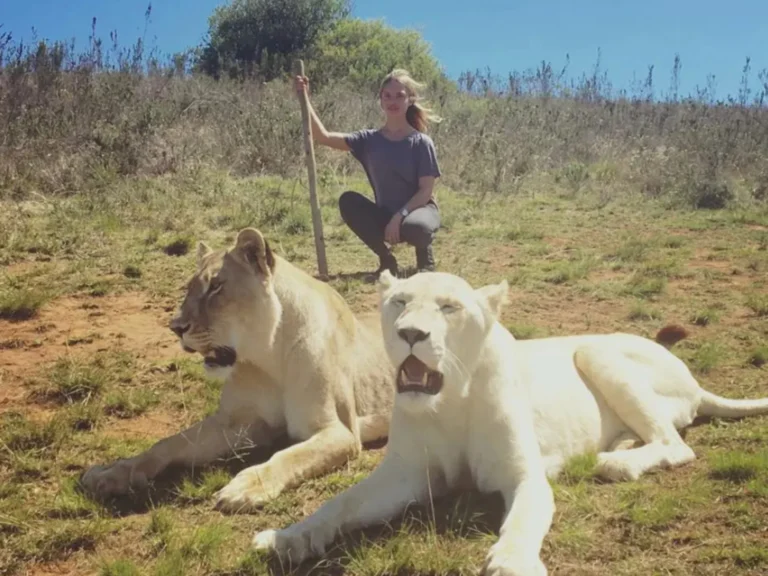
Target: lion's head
230, 310
434, 326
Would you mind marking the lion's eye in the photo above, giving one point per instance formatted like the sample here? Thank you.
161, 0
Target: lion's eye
399, 302
214, 286
448, 308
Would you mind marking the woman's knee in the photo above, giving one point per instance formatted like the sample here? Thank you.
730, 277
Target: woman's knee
347, 201
418, 233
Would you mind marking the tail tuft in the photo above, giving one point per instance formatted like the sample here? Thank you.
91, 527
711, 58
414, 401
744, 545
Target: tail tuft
671, 334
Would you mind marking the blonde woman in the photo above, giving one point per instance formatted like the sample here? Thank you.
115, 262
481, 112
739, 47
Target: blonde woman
401, 164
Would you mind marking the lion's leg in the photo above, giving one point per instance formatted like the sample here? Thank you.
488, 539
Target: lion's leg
198, 445
324, 451
373, 427
625, 441
512, 464
627, 388
387, 491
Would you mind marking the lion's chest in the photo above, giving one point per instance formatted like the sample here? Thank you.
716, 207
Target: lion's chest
444, 449
253, 395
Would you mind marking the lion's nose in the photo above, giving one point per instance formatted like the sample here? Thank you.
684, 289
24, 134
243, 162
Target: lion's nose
412, 335
179, 329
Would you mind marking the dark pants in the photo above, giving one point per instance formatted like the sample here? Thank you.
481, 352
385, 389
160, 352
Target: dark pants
368, 221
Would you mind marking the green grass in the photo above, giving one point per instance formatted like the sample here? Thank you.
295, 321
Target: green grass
759, 356
707, 357
120, 568
642, 311
568, 272
19, 434
758, 303
579, 468
203, 489
524, 331
633, 250
739, 467
130, 403
648, 508
706, 316
73, 381
107, 393
642, 284
18, 304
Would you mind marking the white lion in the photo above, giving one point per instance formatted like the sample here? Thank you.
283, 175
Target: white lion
475, 404
295, 362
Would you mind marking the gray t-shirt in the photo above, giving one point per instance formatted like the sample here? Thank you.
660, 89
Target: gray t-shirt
394, 167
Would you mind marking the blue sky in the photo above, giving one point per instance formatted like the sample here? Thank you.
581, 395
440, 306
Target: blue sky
710, 37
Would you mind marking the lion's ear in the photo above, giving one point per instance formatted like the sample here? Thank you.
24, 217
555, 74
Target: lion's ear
386, 281
494, 296
203, 250
254, 249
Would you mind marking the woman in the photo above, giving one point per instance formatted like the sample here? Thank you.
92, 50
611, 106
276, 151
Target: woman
401, 164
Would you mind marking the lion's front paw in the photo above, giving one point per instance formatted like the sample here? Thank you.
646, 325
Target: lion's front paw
512, 563
295, 544
114, 480
249, 490
614, 467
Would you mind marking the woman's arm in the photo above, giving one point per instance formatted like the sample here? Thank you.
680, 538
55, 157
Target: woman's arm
336, 140
424, 195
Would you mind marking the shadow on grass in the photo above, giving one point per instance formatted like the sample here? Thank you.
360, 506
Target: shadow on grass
167, 487
460, 515
366, 277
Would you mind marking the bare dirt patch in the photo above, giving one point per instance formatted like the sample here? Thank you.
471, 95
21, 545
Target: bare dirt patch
75, 326
155, 424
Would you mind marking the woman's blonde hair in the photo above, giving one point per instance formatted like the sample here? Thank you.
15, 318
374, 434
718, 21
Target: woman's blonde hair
417, 114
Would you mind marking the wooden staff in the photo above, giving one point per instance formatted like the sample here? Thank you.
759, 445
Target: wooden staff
309, 150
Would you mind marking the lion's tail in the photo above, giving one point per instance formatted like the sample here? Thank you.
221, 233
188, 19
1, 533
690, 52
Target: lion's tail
714, 405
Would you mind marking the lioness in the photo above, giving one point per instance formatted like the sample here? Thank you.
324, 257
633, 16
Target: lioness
473, 404
295, 361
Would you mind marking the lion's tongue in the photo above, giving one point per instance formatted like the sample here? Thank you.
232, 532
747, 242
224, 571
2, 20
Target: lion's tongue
414, 370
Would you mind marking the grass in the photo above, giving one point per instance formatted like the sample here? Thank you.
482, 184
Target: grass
130, 403
579, 469
642, 311
707, 356
759, 356
739, 467
109, 390
119, 568
758, 303
706, 316
72, 381
524, 331
21, 304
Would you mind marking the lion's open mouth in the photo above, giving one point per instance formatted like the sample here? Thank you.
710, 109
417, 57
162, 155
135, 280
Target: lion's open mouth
415, 376
221, 357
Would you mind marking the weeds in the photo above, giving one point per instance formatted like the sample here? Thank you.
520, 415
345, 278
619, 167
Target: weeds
738, 467
19, 304
759, 356
758, 303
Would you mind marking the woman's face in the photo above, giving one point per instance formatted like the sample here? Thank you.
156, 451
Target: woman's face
394, 99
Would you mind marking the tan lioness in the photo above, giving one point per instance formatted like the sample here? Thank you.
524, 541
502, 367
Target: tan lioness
294, 360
